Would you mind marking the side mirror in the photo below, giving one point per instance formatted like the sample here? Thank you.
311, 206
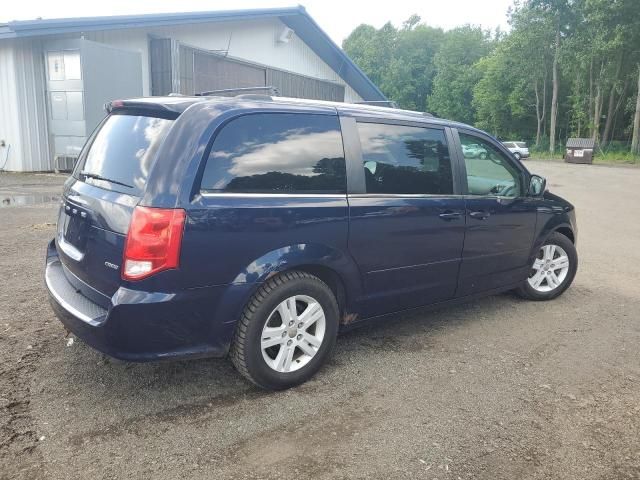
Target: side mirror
537, 186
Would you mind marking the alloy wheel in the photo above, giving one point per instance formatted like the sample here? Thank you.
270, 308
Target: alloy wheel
293, 333
549, 269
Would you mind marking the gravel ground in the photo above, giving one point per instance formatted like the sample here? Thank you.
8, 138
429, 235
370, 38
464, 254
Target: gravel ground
496, 388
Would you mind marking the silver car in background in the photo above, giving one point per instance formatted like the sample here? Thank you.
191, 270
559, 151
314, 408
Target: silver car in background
519, 149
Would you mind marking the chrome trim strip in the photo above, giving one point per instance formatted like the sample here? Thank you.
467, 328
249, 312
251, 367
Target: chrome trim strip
404, 195
63, 303
274, 195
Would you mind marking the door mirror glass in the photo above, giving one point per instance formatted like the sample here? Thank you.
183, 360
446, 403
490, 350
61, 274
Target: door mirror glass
537, 186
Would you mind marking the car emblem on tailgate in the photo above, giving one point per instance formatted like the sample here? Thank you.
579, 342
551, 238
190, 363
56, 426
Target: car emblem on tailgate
111, 265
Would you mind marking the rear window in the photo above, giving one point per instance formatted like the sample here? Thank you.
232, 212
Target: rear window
123, 151
277, 153
521, 144
508, 144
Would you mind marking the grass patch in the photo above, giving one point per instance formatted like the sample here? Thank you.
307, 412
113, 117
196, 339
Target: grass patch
600, 157
624, 158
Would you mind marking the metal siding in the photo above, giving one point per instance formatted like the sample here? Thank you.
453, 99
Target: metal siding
300, 86
296, 18
255, 41
160, 68
350, 95
186, 59
9, 118
22, 87
136, 40
109, 73
213, 72
35, 154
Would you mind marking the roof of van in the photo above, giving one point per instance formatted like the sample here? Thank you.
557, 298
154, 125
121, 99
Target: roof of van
179, 103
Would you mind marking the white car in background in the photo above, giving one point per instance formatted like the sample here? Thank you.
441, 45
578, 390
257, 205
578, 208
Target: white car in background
519, 149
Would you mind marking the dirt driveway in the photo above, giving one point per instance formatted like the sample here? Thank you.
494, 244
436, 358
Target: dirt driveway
495, 389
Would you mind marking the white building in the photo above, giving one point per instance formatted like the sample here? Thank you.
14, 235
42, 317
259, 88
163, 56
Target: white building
56, 75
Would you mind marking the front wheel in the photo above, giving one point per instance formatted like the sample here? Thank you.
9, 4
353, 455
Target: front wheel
517, 155
287, 331
552, 271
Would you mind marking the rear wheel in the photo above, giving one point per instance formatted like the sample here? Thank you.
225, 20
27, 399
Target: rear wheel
552, 271
287, 331
517, 155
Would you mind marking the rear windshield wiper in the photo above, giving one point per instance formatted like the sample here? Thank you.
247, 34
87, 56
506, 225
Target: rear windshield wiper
95, 176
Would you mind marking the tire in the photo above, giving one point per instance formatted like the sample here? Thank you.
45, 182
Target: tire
263, 323
554, 281
518, 156
482, 156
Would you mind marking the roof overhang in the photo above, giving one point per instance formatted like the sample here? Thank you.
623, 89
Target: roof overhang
295, 18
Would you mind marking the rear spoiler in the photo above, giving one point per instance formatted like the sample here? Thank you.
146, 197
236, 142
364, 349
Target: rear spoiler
143, 107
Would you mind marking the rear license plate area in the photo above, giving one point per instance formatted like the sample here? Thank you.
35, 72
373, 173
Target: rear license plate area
75, 227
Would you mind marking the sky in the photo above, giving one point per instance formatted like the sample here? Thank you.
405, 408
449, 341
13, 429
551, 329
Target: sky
337, 18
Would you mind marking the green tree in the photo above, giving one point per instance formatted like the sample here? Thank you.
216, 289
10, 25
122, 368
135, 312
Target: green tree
400, 61
565, 67
410, 76
510, 97
560, 13
457, 73
372, 49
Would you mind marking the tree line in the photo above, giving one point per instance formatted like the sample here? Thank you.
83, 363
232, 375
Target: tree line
566, 68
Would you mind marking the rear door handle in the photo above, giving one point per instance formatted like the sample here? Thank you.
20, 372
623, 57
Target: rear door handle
480, 215
450, 215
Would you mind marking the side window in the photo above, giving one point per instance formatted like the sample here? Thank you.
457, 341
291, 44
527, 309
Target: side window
277, 153
405, 160
489, 172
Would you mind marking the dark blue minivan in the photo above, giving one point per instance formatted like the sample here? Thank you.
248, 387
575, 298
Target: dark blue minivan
258, 227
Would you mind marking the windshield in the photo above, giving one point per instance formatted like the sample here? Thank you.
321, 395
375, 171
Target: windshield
123, 152
521, 145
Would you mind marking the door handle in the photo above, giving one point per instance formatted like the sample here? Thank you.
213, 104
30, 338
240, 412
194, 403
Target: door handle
480, 215
450, 215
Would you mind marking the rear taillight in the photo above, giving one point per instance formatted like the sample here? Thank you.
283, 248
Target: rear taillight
153, 242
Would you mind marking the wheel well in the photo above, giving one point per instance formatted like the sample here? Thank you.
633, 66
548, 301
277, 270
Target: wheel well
566, 231
331, 278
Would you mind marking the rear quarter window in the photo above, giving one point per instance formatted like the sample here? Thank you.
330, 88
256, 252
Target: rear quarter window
277, 153
123, 152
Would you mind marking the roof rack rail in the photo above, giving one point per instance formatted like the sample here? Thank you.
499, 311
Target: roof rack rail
379, 103
232, 92
255, 96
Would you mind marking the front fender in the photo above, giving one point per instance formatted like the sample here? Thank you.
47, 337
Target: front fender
554, 214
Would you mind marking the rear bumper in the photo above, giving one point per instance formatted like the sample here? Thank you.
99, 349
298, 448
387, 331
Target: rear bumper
146, 326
